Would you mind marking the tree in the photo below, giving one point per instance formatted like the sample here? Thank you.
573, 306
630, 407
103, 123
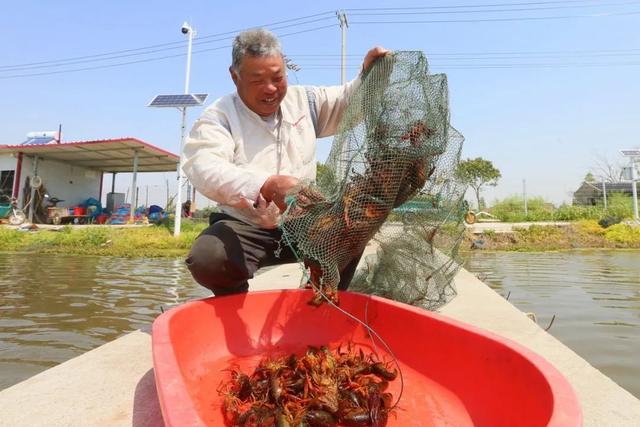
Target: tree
476, 173
606, 169
325, 178
589, 178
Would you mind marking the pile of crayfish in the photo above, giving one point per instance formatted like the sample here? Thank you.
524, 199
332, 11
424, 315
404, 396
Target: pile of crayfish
321, 388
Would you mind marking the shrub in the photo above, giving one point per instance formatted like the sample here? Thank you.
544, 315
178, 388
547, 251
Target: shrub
589, 227
624, 234
573, 213
511, 209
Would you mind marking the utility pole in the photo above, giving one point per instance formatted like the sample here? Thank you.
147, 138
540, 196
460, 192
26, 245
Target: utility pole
634, 191
524, 196
342, 18
604, 193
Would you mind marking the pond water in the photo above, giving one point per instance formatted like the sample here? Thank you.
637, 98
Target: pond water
56, 307
595, 296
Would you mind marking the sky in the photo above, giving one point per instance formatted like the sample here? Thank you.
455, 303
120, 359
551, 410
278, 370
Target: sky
546, 90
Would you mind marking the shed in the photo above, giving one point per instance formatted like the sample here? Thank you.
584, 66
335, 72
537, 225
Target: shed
74, 171
590, 193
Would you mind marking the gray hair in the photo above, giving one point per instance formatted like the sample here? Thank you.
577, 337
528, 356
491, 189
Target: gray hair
256, 42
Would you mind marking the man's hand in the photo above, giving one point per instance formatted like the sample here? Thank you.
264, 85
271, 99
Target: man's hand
276, 187
373, 54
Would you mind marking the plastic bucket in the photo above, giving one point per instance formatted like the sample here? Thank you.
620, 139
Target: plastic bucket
4, 210
77, 211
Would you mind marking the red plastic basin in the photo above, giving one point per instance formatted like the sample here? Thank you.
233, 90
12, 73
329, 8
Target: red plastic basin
454, 374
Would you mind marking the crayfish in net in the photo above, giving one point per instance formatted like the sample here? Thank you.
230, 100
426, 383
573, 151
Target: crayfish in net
321, 388
332, 233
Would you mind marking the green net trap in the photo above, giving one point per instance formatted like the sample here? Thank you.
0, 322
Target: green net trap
389, 177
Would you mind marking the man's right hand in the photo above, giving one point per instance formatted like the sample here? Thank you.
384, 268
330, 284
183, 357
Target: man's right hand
276, 187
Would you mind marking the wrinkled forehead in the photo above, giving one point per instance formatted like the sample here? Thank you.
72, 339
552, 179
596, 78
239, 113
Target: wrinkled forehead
261, 65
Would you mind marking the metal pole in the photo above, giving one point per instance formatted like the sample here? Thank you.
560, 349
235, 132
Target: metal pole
134, 178
178, 211
604, 194
634, 190
186, 82
193, 199
342, 17
33, 190
524, 195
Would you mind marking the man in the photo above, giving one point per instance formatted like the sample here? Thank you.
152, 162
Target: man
247, 151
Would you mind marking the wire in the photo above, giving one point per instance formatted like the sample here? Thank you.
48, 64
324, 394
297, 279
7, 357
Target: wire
473, 5
532, 18
482, 66
155, 48
149, 59
83, 61
523, 52
440, 12
195, 43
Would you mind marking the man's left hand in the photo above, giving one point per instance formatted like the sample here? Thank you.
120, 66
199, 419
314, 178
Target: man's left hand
373, 54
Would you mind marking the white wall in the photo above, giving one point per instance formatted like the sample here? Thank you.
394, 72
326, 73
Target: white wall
71, 183
8, 162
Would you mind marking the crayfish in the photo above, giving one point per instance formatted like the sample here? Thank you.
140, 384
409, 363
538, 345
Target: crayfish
321, 388
330, 234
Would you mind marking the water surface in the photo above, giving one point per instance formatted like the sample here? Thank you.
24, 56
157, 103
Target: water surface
56, 307
595, 296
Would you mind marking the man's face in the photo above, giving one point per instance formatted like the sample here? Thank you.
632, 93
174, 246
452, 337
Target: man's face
261, 83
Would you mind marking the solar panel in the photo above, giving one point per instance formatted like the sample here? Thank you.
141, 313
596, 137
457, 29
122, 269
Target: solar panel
38, 141
184, 100
631, 153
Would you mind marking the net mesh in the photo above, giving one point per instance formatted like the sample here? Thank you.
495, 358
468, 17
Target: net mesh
389, 177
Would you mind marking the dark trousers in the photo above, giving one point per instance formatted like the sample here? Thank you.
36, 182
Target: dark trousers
229, 252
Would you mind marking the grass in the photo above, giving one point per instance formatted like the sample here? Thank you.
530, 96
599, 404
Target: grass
579, 234
152, 241
511, 209
158, 240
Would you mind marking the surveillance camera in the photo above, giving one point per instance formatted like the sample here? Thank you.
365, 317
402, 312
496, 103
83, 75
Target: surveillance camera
185, 28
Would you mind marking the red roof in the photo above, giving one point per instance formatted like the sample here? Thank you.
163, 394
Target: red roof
106, 155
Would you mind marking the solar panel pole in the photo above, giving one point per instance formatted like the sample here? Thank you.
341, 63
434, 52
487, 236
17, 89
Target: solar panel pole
186, 29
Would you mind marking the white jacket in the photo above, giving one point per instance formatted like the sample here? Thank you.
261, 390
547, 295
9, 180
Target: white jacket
231, 151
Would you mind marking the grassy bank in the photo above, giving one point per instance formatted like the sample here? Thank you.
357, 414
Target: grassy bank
152, 241
158, 240
580, 234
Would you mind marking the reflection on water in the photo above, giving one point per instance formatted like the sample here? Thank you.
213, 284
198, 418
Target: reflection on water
55, 307
595, 296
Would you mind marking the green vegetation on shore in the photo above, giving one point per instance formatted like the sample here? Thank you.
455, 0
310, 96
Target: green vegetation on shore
158, 240
511, 209
151, 241
580, 234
